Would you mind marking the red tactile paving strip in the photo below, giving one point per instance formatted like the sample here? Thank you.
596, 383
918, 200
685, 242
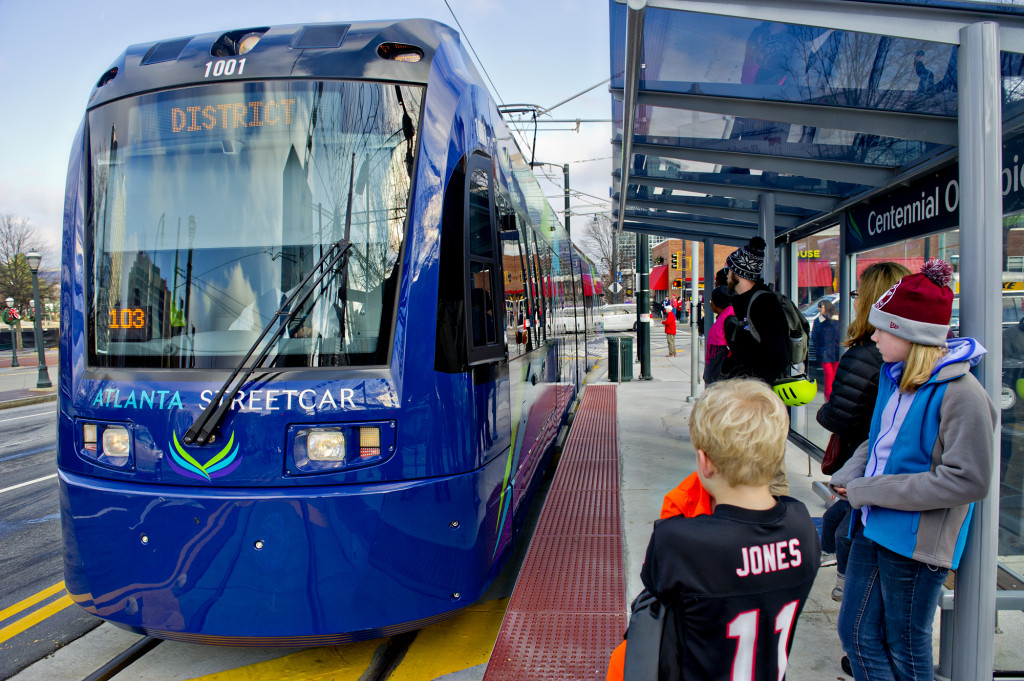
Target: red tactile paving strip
568, 610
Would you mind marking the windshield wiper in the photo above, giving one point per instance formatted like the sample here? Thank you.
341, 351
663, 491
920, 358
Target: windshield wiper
201, 430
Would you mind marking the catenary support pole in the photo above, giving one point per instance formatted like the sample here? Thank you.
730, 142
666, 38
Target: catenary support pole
981, 248
565, 172
616, 270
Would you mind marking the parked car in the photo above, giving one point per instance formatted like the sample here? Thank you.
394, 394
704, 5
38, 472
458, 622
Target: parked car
572, 320
619, 317
1012, 311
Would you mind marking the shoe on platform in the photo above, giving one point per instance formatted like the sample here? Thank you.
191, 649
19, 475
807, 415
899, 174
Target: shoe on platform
847, 667
827, 559
837, 592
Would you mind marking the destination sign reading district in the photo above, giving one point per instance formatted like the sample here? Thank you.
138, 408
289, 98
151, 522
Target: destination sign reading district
232, 115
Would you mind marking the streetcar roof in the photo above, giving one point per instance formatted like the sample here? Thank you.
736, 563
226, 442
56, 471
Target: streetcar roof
337, 50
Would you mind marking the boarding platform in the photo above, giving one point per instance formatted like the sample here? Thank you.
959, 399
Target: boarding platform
562, 606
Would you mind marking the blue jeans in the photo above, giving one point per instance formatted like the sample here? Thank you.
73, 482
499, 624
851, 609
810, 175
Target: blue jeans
885, 621
835, 527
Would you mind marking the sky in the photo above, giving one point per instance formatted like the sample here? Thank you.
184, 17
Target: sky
52, 52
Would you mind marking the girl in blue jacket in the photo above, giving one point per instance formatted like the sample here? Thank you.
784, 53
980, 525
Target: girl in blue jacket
927, 459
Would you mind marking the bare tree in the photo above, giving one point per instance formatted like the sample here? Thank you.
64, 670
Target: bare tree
18, 237
596, 239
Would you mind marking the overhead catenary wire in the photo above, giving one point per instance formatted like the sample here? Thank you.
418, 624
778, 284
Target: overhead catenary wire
497, 94
517, 123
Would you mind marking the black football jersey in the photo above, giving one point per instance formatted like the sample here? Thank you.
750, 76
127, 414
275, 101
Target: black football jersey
735, 583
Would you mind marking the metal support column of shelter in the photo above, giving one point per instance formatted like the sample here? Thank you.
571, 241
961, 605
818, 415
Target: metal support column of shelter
845, 282
643, 258
694, 336
766, 228
981, 215
709, 284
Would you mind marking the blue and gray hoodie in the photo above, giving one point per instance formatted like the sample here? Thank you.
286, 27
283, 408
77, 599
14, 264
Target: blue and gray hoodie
927, 460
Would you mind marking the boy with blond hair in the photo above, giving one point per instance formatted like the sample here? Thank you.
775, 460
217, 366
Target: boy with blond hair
735, 581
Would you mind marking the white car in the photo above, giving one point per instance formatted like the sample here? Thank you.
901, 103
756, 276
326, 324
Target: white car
620, 317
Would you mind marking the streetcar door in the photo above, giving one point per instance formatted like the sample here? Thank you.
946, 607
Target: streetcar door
487, 341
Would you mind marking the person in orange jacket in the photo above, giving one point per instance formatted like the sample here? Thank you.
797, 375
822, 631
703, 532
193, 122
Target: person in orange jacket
669, 322
690, 499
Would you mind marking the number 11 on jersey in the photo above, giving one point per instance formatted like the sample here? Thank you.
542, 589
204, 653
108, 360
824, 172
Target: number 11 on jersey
743, 628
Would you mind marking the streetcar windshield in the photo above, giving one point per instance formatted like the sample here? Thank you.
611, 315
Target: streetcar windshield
210, 204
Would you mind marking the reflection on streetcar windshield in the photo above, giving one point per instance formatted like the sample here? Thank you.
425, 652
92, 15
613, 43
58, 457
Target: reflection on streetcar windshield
209, 206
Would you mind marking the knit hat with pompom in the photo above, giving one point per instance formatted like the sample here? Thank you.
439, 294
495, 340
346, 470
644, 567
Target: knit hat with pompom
746, 262
919, 306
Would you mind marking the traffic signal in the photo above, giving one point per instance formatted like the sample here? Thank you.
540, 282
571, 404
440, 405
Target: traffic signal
675, 261
677, 283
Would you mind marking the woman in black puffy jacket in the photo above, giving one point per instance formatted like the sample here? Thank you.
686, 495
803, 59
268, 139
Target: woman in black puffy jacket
852, 402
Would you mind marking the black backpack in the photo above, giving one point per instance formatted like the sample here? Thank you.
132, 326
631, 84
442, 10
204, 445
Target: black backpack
798, 330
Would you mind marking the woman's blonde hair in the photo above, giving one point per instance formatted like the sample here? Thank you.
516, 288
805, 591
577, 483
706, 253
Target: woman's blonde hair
742, 427
874, 281
918, 366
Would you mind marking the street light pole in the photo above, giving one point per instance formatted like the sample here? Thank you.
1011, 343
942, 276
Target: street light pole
33, 259
14, 341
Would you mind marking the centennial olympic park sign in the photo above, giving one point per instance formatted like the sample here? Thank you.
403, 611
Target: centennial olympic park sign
928, 204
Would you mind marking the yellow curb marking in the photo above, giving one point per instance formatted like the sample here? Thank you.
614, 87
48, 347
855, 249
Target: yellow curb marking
462, 642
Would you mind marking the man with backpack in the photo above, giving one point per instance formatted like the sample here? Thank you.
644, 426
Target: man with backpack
757, 332
761, 343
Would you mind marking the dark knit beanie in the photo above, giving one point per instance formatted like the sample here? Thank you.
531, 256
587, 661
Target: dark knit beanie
918, 308
721, 298
746, 262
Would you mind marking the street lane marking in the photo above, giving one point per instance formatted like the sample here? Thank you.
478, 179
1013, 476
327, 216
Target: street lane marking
30, 601
20, 442
30, 416
29, 621
26, 484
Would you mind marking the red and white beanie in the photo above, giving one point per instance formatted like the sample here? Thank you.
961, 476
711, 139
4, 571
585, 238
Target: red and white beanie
918, 308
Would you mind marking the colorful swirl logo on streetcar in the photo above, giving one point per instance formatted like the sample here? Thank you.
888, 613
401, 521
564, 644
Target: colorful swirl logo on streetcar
222, 463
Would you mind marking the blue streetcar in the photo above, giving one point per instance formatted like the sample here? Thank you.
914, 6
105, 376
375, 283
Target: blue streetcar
314, 349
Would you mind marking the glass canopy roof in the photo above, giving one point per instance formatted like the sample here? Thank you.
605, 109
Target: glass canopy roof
727, 107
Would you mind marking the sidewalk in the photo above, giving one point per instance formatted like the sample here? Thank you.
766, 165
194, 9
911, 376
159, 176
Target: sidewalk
18, 384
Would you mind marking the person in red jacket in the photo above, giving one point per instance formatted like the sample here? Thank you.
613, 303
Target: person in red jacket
669, 322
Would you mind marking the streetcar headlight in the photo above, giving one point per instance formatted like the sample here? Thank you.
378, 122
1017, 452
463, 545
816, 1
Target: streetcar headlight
332, 448
116, 445
107, 445
248, 42
325, 445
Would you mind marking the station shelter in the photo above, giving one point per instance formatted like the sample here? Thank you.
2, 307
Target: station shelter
848, 132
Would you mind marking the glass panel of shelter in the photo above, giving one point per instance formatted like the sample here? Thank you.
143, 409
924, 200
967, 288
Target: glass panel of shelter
819, 250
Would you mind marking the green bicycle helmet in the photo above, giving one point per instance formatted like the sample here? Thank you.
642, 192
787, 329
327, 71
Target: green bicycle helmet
795, 391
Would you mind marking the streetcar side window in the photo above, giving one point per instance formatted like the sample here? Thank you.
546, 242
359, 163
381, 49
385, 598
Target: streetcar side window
483, 288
